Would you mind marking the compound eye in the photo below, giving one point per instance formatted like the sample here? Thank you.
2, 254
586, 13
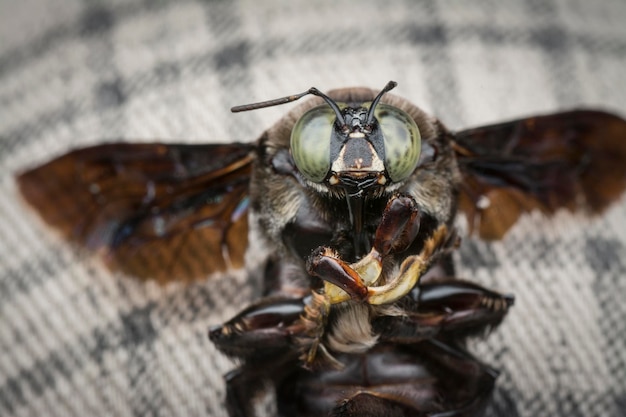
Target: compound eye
310, 143
402, 141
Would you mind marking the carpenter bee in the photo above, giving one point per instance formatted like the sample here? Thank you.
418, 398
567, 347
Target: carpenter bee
351, 199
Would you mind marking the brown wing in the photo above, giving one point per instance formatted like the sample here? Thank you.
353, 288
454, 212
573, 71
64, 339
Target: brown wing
166, 212
570, 160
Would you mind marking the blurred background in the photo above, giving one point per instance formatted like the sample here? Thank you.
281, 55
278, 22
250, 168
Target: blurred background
79, 340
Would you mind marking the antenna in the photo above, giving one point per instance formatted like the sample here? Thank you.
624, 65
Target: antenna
370, 114
288, 99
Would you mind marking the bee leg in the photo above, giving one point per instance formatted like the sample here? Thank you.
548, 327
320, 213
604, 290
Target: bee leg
413, 267
247, 383
264, 328
261, 334
398, 227
460, 373
468, 307
241, 388
456, 307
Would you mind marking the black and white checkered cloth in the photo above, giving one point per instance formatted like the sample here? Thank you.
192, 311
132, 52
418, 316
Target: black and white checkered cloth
76, 340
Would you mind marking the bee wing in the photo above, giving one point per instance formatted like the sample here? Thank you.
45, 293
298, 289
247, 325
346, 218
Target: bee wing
573, 160
166, 212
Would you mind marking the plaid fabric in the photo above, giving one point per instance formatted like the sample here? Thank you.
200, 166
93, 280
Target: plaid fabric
78, 340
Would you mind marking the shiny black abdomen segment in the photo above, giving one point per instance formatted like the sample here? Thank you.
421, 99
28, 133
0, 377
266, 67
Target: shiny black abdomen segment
430, 378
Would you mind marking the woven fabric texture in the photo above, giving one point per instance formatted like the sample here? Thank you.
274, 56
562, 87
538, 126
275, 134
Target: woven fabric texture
77, 340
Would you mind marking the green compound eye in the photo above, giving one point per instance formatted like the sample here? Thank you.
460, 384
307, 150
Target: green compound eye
310, 143
402, 141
